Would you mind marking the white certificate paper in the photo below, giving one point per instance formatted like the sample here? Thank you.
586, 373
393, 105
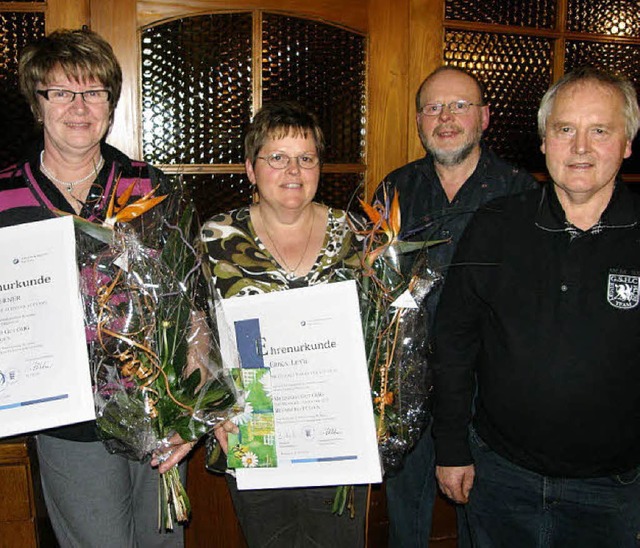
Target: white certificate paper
44, 367
310, 340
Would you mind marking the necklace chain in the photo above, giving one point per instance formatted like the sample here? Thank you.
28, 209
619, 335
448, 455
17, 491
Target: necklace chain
291, 272
69, 185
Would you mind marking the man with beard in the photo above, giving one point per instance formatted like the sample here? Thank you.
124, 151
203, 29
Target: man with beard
438, 195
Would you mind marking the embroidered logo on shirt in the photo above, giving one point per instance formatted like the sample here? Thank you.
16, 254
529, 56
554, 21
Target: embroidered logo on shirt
623, 291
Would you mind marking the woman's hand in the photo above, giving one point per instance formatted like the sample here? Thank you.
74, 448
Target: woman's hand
171, 453
221, 432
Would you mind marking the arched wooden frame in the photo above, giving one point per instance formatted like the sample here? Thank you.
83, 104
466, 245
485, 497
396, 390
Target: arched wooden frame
257, 17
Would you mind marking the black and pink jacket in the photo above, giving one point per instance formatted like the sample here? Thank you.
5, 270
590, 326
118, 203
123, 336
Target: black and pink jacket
26, 195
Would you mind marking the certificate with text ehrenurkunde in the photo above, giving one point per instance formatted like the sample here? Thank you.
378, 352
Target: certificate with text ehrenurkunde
44, 370
308, 417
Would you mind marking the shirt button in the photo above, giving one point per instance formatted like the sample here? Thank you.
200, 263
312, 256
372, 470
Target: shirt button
564, 288
446, 233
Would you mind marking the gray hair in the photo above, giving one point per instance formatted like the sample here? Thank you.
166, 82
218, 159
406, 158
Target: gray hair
631, 111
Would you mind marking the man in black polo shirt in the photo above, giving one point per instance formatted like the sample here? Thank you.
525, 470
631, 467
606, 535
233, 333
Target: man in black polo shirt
438, 195
542, 318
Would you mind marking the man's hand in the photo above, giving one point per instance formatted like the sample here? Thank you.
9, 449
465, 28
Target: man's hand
456, 481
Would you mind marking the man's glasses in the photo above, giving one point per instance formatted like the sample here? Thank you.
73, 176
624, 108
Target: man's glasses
277, 160
92, 96
455, 107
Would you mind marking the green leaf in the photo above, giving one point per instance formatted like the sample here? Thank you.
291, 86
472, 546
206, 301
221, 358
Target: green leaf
100, 232
408, 247
191, 382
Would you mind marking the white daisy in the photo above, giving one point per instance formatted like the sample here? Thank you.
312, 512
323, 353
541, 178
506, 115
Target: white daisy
249, 460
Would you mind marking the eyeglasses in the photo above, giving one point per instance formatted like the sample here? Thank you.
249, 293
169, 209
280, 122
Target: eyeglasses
277, 160
91, 96
455, 107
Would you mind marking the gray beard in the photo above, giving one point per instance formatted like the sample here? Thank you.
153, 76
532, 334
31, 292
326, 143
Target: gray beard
453, 158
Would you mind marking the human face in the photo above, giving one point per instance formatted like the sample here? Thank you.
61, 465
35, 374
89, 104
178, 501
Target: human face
585, 141
291, 188
74, 128
451, 138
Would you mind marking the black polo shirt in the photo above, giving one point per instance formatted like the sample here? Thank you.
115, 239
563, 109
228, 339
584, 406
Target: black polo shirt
547, 317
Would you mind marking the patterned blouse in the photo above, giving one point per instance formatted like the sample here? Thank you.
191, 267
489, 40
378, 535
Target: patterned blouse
241, 264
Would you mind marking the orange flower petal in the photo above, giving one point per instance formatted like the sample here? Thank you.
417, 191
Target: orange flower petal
394, 214
386, 398
112, 201
137, 208
124, 197
371, 211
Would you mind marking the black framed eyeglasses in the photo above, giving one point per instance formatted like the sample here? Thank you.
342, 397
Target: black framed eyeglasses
278, 160
91, 96
455, 107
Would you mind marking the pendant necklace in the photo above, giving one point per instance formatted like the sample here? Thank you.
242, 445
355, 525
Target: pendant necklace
69, 185
291, 272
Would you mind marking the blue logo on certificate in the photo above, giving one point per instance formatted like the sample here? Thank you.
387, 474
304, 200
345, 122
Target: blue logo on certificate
249, 343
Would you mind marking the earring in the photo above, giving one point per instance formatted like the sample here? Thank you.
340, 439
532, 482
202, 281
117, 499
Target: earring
255, 195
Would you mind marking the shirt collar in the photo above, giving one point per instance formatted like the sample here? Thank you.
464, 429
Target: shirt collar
619, 213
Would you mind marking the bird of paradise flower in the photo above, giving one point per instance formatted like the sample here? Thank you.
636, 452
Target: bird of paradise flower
119, 210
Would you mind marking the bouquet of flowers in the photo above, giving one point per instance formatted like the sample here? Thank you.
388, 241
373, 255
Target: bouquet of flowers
395, 280
156, 367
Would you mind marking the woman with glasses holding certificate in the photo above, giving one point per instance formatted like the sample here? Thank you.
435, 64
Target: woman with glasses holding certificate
72, 82
284, 240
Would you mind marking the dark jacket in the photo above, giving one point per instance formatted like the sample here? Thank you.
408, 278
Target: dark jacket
547, 317
427, 213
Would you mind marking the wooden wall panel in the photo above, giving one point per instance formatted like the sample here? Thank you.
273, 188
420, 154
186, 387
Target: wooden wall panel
23, 519
406, 39
14, 479
426, 46
66, 14
116, 21
388, 105
213, 521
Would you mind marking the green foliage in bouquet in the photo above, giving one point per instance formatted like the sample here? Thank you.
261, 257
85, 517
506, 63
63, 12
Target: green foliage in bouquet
184, 407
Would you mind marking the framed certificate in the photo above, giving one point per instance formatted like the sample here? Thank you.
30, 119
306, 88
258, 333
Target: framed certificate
44, 369
308, 417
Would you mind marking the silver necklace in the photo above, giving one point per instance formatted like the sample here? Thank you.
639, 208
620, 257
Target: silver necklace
291, 272
69, 185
